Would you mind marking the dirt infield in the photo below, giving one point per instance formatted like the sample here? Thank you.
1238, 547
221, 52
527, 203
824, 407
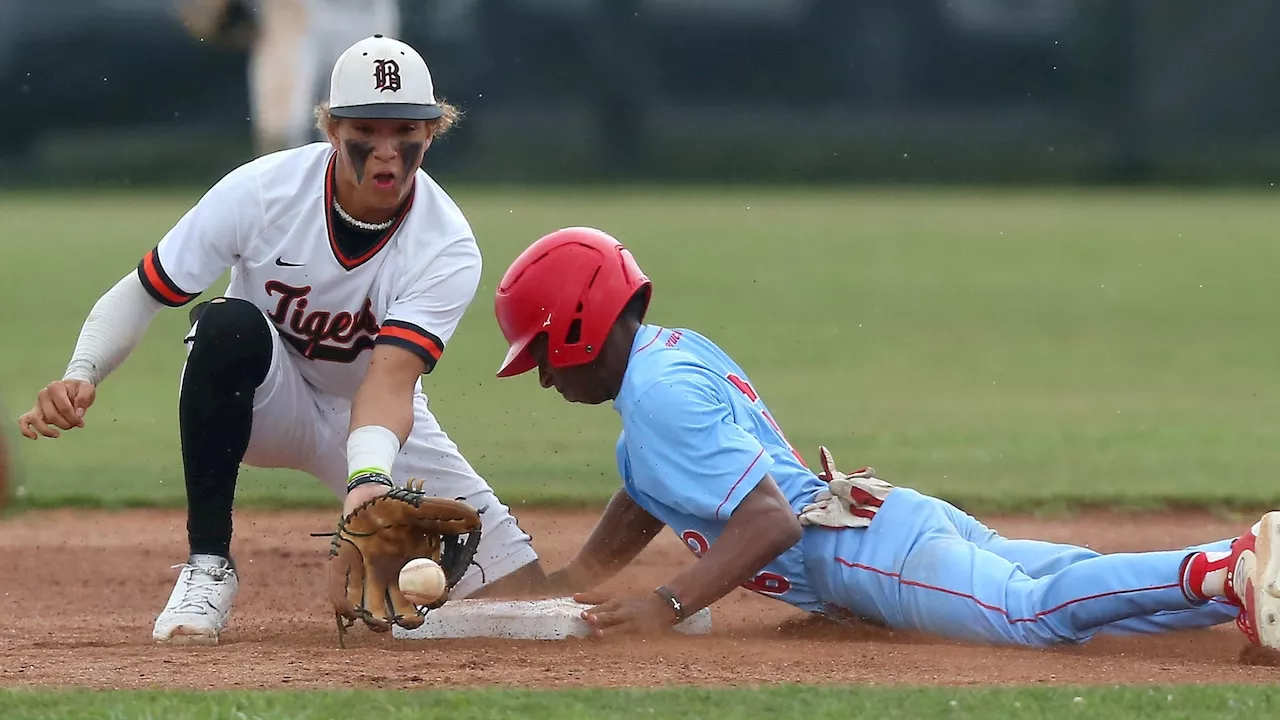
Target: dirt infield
81, 590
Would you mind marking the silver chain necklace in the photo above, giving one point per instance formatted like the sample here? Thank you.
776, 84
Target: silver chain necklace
360, 224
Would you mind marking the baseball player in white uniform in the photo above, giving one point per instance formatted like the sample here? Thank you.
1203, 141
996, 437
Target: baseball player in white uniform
296, 43
350, 270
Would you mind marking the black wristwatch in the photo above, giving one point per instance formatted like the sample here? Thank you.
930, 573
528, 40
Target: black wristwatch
676, 606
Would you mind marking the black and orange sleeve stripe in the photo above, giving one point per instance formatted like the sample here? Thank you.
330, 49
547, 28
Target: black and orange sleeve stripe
158, 283
414, 339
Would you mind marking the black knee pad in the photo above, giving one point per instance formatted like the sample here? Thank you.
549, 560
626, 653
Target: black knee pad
232, 342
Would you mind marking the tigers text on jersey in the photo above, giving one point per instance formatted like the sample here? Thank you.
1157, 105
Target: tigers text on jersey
697, 439
269, 221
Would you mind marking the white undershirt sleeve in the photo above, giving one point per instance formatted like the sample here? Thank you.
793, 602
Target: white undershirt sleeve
113, 329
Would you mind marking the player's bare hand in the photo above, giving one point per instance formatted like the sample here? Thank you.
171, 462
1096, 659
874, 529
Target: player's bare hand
628, 615
61, 405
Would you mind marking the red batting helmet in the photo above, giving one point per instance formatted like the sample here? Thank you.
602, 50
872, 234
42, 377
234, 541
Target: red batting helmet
570, 285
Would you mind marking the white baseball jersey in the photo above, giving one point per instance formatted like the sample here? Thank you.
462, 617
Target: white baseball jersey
269, 221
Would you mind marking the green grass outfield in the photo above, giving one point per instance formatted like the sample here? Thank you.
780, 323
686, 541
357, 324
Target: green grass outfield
809, 703
1005, 350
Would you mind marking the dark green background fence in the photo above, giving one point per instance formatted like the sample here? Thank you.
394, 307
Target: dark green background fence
986, 91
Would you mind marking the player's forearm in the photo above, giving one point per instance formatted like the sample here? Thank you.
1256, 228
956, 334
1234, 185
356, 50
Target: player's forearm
624, 530
753, 538
384, 404
114, 327
381, 420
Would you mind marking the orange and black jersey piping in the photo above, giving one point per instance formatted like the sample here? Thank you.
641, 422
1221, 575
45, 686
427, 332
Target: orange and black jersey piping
410, 337
417, 340
159, 285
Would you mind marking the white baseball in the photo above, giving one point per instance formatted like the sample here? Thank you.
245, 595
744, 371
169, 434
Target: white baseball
422, 581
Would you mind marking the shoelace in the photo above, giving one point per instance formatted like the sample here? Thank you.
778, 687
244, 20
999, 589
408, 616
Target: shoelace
1246, 626
202, 582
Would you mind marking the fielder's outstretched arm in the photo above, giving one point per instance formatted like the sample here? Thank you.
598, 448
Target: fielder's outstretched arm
621, 533
381, 420
410, 342
114, 327
112, 331
187, 260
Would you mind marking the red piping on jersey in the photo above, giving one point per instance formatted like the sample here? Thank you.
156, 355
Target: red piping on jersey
739, 482
353, 263
646, 345
993, 608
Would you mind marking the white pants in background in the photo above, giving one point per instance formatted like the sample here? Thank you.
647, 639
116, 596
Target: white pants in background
292, 58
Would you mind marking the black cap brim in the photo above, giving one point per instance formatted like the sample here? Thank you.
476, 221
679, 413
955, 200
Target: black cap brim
389, 111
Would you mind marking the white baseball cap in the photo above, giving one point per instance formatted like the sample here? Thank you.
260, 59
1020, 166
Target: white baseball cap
379, 77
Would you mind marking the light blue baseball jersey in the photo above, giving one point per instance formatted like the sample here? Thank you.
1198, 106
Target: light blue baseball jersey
697, 439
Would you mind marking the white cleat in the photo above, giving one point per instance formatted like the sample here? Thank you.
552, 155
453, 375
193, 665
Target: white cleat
1255, 580
200, 604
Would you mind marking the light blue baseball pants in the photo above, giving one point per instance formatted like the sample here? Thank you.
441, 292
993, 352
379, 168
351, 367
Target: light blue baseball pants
924, 565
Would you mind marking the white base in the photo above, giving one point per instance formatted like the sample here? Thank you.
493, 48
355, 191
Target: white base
551, 619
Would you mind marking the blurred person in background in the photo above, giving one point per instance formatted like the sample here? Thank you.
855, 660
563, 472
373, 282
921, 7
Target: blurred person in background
297, 43
292, 46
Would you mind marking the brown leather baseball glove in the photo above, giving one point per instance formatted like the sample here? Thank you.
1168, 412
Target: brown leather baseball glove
374, 541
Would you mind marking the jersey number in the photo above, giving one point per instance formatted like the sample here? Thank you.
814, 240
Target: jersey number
745, 388
765, 583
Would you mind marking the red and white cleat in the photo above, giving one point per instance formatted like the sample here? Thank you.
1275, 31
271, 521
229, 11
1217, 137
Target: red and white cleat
1253, 581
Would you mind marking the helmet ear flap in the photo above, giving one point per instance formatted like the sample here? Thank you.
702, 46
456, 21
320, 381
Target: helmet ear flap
645, 292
